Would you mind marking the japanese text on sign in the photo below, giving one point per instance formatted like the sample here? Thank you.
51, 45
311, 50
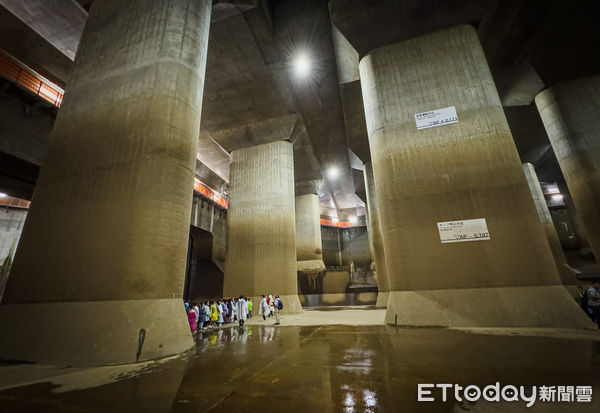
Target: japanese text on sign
438, 117
463, 231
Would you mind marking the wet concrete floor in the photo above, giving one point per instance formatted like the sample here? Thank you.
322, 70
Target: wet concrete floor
327, 369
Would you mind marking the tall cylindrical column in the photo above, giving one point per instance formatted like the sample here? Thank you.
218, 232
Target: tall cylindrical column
432, 181
261, 248
98, 277
309, 248
378, 246
570, 115
567, 276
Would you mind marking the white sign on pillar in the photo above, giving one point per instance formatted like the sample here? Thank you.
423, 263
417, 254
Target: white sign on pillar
463, 231
435, 118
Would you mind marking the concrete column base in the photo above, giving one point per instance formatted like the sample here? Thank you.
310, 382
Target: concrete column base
310, 265
538, 306
291, 304
338, 299
382, 299
575, 290
93, 333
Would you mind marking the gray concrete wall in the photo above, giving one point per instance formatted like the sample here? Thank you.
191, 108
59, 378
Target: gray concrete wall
355, 248
261, 226
308, 228
567, 276
204, 280
377, 239
331, 246
353, 245
211, 218
109, 219
570, 115
11, 225
464, 170
24, 136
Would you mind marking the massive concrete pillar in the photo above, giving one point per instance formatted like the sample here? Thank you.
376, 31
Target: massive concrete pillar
455, 172
567, 275
378, 246
261, 247
99, 273
309, 248
570, 115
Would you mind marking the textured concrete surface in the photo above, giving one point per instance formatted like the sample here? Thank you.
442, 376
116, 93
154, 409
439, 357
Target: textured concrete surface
211, 218
567, 275
109, 220
94, 333
355, 248
378, 245
316, 97
63, 30
11, 225
308, 233
570, 115
204, 276
344, 246
23, 135
261, 246
524, 306
366, 298
23, 43
451, 173
325, 368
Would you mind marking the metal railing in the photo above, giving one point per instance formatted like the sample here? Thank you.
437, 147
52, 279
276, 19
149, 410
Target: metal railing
209, 193
9, 201
338, 224
15, 72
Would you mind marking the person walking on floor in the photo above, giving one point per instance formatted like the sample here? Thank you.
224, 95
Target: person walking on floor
201, 316
220, 313
242, 310
192, 319
263, 308
214, 314
278, 307
271, 303
206, 314
250, 305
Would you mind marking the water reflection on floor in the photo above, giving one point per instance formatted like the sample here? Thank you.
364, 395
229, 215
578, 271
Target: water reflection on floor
331, 368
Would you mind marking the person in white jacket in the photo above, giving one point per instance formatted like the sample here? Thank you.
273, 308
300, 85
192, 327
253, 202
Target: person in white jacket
264, 308
242, 310
271, 305
220, 311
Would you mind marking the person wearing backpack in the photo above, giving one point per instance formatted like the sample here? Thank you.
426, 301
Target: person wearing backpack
278, 308
593, 302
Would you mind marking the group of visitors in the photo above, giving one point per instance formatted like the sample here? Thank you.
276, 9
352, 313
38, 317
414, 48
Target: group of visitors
590, 302
211, 314
270, 307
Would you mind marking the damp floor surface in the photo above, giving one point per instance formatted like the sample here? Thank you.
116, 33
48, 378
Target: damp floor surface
329, 368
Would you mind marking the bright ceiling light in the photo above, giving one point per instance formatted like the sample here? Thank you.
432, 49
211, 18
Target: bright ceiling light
557, 197
3, 195
301, 65
333, 172
353, 220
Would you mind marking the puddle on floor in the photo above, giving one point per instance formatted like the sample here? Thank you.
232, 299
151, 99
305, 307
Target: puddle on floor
325, 368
